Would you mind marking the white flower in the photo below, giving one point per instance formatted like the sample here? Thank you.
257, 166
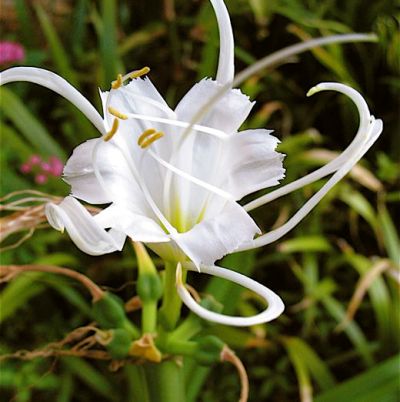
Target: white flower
173, 178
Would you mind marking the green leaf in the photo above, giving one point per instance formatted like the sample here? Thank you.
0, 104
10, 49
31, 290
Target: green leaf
380, 383
305, 244
352, 330
33, 131
18, 292
390, 236
90, 376
108, 42
313, 363
59, 55
360, 204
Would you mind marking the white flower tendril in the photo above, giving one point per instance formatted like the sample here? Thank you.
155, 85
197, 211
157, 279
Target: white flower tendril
275, 304
173, 178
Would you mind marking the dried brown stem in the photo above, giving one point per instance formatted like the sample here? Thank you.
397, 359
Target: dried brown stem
7, 272
228, 355
362, 287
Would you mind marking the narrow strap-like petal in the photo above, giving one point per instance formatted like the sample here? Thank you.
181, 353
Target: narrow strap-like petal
334, 165
82, 227
371, 129
271, 60
275, 304
226, 68
57, 84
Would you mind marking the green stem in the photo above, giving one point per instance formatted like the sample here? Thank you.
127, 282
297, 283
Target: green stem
137, 384
149, 317
166, 382
171, 305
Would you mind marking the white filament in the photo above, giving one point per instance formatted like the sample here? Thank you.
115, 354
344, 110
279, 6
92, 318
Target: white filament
189, 177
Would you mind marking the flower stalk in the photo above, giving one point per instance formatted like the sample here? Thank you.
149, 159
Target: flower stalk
149, 288
171, 304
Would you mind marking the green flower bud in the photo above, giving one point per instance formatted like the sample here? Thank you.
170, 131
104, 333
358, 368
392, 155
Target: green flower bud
149, 287
208, 350
109, 312
117, 342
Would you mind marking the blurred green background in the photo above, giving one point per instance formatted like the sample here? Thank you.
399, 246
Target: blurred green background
324, 347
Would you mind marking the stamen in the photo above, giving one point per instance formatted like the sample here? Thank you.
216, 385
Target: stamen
111, 133
145, 134
149, 140
118, 82
139, 73
116, 113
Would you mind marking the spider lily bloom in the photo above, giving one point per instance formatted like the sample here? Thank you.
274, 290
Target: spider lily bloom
173, 181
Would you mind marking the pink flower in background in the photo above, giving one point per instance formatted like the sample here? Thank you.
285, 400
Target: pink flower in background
42, 169
11, 52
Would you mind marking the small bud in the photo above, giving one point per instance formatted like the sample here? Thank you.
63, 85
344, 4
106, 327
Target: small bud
109, 312
208, 350
116, 341
149, 286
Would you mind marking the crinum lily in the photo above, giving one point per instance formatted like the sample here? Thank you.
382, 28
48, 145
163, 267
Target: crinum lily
173, 179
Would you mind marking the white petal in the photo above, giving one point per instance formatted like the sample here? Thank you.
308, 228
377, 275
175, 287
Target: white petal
57, 84
84, 231
250, 163
118, 183
79, 174
217, 236
140, 97
368, 132
226, 66
137, 227
227, 114
275, 305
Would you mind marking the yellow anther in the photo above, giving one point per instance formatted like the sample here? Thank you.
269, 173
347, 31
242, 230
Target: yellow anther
116, 113
117, 83
114, 128
145, 134
139, 73
149, 140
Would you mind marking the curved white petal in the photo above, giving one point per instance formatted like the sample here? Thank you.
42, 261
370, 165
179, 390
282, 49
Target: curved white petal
271, 60
250, 163
57, 84
370, 131
217, 235
333, 165
275, 305
226, 67
227, 114
83, 229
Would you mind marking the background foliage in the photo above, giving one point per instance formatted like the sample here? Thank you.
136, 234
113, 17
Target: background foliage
323, 347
